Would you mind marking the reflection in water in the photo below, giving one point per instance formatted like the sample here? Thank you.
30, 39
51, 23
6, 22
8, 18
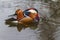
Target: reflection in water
19, 26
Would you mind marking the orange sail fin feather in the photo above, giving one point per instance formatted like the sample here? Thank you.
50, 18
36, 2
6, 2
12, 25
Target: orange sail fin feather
20, 14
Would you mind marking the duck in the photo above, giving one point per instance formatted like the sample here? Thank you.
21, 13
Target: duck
27, 16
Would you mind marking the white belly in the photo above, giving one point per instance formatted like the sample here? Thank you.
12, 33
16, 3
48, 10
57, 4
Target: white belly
14, 21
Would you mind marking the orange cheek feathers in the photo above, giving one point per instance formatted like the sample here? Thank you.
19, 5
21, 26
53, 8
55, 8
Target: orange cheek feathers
19, 14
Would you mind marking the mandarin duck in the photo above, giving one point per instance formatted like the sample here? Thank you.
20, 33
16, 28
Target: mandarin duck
26, 17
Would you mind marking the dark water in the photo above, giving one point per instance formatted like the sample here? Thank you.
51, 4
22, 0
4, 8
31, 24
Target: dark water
45, 31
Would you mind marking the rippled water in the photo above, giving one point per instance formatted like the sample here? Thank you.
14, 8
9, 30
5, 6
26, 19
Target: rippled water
8, 7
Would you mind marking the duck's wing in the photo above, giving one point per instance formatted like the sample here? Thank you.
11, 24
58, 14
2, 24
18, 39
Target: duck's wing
26, 19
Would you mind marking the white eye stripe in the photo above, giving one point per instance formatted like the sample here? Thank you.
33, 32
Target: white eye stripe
32, 11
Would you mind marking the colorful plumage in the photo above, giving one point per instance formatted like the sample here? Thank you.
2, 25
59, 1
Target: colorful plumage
20, 14
28, 16
33, 13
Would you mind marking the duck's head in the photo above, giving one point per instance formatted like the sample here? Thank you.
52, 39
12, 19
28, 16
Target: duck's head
33, 13
19, 14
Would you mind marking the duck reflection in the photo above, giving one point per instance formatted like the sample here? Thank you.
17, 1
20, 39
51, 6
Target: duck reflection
18, 25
